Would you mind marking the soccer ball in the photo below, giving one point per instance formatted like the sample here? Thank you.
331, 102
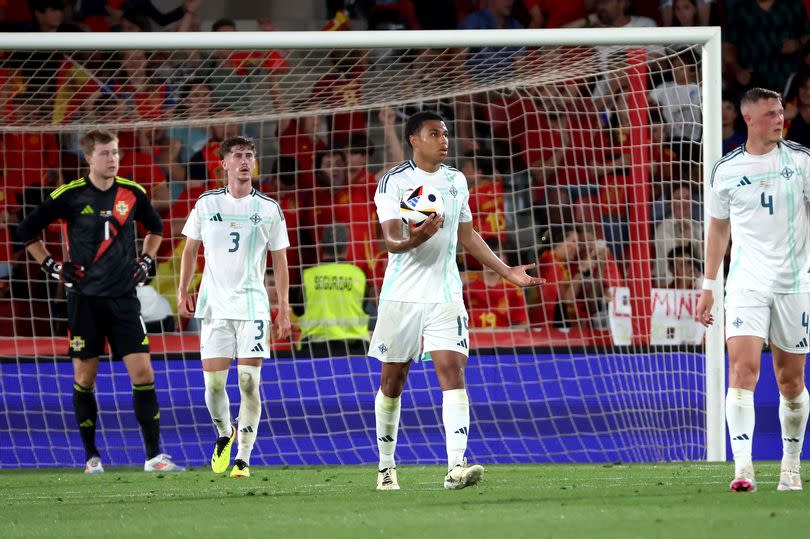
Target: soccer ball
421, 202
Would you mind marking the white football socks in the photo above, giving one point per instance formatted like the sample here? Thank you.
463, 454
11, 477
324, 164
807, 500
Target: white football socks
793, 417
386, 414
216, 400
740, 420
250, 409
456, 419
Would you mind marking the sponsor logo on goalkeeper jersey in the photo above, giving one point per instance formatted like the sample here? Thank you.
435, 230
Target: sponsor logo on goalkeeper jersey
88, 210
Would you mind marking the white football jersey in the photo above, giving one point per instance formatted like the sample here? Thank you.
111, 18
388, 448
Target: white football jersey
766, 199
236, 234
428, 273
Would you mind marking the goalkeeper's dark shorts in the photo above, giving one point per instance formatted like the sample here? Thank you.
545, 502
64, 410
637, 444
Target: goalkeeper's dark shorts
94, 320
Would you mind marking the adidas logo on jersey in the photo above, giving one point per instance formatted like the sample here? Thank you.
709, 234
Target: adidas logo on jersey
744, 181
257, 348
88, 210
217, 217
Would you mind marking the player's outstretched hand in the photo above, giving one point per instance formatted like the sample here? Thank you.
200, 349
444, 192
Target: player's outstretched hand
143, 266
67, 272
425, 230
517, 275
281, 325
704, 308
185, 304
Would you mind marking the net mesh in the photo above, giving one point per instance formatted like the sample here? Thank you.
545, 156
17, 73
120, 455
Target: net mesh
586, 161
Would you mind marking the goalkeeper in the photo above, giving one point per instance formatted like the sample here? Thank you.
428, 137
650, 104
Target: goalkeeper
100, 277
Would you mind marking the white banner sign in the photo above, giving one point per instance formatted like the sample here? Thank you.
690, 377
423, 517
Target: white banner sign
673, 317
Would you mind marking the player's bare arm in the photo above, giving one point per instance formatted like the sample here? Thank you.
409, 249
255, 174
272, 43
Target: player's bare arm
282, 325
716, 245
474, 244
397, 242
185, 301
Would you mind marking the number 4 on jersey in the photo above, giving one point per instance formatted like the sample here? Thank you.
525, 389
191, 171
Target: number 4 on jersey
767, 204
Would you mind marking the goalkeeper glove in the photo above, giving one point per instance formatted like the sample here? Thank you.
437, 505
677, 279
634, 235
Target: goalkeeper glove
143, 267
67, 272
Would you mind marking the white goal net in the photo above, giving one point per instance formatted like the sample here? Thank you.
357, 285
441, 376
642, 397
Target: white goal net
584, 153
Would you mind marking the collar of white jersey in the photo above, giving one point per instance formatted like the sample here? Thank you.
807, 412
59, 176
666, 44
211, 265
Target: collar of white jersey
775, 150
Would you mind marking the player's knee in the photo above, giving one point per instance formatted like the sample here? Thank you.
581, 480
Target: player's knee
790, 386
215, 381
248, 379
743, 376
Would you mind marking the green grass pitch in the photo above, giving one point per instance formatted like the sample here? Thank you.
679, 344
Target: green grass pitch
688, 501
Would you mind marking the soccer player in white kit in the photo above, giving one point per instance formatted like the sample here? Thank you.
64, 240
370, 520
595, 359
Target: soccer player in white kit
421, 298
759, 195
237, 225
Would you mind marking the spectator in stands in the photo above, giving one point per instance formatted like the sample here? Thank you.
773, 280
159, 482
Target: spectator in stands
761, 41
485, 63
555, 302
731, 137
48, 14
611, 14
799, 128
679, 100
334, 320
494, 302
677, 229
556, 14
137, 81
599, 274
299, 138
244, 61
684, 267
194, 102
686, 12
132, 15
486, 197
391, 15
341, 86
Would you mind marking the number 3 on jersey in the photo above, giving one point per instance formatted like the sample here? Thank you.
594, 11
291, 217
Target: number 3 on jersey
767, 203
235, 238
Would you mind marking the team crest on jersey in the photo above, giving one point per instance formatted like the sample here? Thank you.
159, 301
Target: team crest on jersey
122, 207
77, 344
787, 173
453, 191
255, 218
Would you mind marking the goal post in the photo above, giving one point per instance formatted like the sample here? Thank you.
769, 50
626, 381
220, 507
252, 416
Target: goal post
523, 111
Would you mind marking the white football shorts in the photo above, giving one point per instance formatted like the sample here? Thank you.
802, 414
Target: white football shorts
402, 327
234, 338
782, 318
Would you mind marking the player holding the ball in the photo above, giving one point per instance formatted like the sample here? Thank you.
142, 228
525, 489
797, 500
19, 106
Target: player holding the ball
421, 297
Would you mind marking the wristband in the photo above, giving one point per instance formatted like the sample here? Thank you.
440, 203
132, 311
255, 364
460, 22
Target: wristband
708, 284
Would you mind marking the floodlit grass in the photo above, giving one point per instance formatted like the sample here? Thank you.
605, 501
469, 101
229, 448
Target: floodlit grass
688, 501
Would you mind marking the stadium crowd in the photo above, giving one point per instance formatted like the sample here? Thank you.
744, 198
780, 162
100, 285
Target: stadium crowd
536, 161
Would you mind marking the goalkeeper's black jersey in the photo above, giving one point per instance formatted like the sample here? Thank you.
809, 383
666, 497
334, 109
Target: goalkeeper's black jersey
100, 231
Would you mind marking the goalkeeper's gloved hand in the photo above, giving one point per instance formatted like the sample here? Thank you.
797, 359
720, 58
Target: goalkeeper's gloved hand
67, 272
143, 267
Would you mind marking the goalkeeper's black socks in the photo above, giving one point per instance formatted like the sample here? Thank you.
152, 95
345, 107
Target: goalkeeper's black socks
84, 405
147, 412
